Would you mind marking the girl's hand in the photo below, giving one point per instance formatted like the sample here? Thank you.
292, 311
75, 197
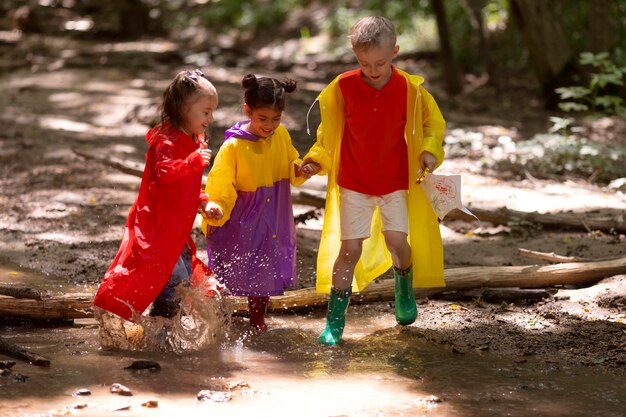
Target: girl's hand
212, 211
309, 168
205, 154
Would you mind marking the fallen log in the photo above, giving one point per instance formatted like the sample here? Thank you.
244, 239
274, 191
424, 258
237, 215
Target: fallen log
71, 306
498, 295
127, 167
553, 257
51, 307
18, 352
581, 221
20, 292
544, 256
313, 198
578, 273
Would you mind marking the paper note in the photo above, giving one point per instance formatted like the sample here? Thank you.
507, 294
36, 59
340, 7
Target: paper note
444, 193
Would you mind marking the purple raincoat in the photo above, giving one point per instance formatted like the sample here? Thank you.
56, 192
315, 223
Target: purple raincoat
252, 249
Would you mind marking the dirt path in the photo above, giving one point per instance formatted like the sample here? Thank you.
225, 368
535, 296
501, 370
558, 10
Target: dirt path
63, 215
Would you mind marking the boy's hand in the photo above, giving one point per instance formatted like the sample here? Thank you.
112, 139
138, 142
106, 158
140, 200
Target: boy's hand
211, 210
428, 163
309, 168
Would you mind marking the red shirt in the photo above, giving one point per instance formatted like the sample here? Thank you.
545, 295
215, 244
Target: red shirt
373, 157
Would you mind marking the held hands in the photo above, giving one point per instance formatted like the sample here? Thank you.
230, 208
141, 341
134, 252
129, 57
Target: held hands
210, 210
309, 168
428, 163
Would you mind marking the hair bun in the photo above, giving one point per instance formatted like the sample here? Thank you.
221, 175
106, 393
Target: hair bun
290, 85
250, 82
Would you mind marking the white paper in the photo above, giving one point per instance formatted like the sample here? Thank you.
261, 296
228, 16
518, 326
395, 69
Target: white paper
444, 193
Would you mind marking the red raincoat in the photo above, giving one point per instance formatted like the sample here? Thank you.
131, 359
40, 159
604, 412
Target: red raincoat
158, 224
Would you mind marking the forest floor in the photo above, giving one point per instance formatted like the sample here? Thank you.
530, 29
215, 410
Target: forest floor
63, 215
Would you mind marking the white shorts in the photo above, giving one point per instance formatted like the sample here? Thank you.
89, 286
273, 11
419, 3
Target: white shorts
356, 210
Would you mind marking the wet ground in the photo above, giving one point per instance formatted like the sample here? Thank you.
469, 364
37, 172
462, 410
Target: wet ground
381, 369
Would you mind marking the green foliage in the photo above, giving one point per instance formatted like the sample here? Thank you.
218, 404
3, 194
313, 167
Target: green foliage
503, 37
415, 26
478, 302
246, 15
462, 37
523, 228
564, 150
595, 95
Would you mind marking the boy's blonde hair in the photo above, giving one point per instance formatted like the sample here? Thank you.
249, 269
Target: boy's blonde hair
372, 31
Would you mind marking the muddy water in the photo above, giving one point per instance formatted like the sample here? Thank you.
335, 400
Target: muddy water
380, 370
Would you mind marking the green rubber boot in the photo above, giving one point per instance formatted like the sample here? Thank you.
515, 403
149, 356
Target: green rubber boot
336, 317
406, 310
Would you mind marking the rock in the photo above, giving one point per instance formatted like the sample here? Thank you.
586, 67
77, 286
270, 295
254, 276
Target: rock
144, 364
215, 396
121, 390
238, 384
20, 378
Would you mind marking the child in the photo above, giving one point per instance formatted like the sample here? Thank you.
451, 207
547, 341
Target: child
380, 131
252, 247
157, 252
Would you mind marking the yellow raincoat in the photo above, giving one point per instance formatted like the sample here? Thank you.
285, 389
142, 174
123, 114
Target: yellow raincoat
424, 132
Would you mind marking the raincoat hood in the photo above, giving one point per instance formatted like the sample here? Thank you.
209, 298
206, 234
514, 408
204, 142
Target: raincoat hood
237, 132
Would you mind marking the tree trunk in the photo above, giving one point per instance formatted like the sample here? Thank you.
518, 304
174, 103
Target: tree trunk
450, 71
550, 53
602, 29
133, 18
474, 9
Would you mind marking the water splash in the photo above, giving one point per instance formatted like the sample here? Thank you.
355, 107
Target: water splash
202, 321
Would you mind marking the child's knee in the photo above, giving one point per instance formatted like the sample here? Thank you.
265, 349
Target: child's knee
350, 251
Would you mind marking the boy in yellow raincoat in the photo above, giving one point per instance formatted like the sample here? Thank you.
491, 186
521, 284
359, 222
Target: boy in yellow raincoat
380, 132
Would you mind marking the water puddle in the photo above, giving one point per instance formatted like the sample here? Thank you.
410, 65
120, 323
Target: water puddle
13, 275
381, 370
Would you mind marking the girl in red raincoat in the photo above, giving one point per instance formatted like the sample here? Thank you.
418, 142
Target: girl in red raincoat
157, 252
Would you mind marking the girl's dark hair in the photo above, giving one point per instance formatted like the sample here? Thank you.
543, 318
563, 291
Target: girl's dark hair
185, 86
266, 92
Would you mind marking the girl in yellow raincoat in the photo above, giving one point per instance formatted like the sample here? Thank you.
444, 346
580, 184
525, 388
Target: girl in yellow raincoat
380, 132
